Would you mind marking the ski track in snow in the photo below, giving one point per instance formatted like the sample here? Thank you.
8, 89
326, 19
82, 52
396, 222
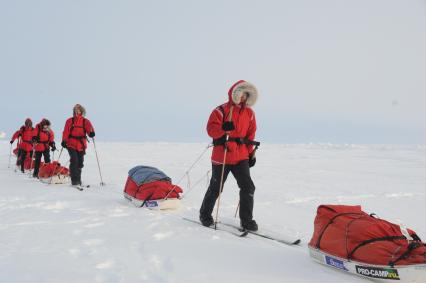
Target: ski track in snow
58, 234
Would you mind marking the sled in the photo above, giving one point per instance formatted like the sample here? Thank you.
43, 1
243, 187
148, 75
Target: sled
53, 173
413, 273
156, 204
57, 179
149, 187
351, 240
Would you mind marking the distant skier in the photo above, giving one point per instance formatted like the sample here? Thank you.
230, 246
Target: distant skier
44, 140
236, 119
25, 142
74, 138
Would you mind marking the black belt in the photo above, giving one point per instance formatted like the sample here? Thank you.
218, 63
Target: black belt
77, 138
222, 141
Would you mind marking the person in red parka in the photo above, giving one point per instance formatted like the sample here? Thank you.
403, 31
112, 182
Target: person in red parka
17, 136
236, 120
44, 139
74, 138
25, 139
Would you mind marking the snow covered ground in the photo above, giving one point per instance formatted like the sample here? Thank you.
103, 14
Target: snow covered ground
59, 234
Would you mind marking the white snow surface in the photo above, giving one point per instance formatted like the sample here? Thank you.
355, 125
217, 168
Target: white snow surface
54, 233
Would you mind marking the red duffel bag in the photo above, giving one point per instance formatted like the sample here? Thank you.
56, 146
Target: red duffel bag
350, 233
48, 170
153, 190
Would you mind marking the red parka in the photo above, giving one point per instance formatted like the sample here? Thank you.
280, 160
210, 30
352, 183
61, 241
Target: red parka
75, 131
244, 120
45, 138
16, 135
26, 134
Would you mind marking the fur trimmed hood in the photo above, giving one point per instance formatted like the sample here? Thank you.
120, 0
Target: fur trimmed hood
240, 87
82, 110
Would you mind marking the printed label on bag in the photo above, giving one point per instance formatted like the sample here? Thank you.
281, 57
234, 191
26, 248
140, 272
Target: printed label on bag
375, 272
151, 203
335, 263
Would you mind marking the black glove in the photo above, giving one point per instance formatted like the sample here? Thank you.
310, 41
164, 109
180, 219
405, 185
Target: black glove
64, 144
228, 126
220, 141
36, 139
53, 146
11, 142
252, 161
92, 134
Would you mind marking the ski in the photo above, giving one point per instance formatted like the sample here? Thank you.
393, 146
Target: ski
218, 227
80, 187
266, 235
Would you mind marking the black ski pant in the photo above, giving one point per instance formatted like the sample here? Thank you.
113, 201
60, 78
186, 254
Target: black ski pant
37, 160
23, 157
18, 157
76, 164
241, 172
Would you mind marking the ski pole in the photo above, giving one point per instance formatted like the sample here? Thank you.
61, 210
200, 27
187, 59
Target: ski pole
236, 211
97, 159
223, 169
10, 156
53, 158
32, 161
60, 153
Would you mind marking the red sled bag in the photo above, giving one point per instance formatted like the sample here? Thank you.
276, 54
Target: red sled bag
152, 190
351, 234
28, 163
148, 186
53, 173
48, 170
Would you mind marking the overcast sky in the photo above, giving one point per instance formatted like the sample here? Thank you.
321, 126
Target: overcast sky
334, 71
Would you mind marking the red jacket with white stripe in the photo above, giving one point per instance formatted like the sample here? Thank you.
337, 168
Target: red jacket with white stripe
244, 120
